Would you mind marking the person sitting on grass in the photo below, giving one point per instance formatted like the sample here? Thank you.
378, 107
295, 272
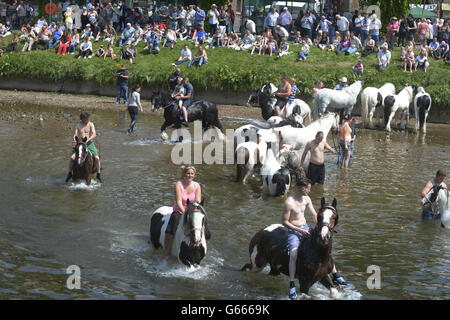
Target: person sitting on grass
369, 48
343, 46
85, 50
358, 67
192, 33
355, 44
96, 32
384, 58
433, 47
200, 57
137, 36
318, 38
409, 60
247, 41
200, 37
153, 40
402, 53
185, 56
64, 44
421, 61
129, 53
324, 41
182, 33
109, 52
109, 34
100, 52
335, 43
447, 58
284, 48
170, 38
233, 40
125, 38
271, 46
304, 52
216, 40
442, 50
87, 32
298, 38
55, 39
258, 45
179, 91
14, 42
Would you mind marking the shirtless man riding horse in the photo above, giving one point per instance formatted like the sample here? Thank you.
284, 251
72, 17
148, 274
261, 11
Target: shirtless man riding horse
294, 219
283, 93
85, 129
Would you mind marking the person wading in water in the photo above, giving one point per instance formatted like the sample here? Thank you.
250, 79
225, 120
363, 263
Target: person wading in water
429, 194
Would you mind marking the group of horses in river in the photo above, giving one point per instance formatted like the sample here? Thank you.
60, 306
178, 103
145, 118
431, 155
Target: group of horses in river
276, 145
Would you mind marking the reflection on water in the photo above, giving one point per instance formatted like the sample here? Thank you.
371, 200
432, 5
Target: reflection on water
46, 225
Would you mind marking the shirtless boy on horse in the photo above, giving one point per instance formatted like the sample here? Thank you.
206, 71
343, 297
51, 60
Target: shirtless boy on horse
85, 129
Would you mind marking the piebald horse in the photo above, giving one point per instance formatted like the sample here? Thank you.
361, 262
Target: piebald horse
190, 238
422, 106
337, 99
400, 103
276, 178
373, 99
314, 260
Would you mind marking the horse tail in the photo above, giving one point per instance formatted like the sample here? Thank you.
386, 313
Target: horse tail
364, 107
388, 104
247, 267
424, 103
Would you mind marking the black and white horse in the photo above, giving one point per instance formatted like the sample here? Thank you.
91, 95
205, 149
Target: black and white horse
314, 260
199, 110
398, 103
190, 237
422, 106
276, 178
372, 99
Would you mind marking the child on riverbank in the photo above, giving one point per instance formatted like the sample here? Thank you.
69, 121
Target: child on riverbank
358, 67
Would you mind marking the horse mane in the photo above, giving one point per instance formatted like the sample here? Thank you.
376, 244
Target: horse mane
355, 88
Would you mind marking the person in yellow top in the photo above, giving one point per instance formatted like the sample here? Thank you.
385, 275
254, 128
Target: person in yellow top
345, 140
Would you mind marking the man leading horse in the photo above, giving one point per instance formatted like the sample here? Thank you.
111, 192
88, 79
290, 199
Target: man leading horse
85, 129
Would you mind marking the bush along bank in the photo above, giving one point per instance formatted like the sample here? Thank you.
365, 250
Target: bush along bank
227, 70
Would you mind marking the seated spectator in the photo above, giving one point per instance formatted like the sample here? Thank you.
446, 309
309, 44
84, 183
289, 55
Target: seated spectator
271, 46
447, 58
109, 34
96, 32
4, 32
359, 67
64, 43
409, 60
170, 38
442, 50
216, 40
109, 52
424, 47
55, 39
324, 41
128, 53
233, 40
409, 45
421, 61
304, 52
307, 40
125, 38
74, 41
153, 40
258, 45
284, 48
355, 44
200, 37
433, 47
85, 50
182, 33
335, 43
343, 46
369, 48
247, 41
298, 38
100, 52
200, 57
382, 42
384, 57
185, 56
192, 33
137, 35
30, 39
14, 42
87, 32
44, 37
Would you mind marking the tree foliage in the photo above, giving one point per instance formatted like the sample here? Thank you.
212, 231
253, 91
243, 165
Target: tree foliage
390, 8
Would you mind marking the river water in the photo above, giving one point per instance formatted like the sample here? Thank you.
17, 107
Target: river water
47, 226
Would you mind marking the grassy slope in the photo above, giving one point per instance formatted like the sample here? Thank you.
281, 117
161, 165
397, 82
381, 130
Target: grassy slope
227, 70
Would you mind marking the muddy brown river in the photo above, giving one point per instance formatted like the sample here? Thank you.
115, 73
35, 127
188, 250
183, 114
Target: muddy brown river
47, 225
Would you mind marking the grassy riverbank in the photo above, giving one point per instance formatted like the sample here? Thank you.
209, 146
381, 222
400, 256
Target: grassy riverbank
227, 70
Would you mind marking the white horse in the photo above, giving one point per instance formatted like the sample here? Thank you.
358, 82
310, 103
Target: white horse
443, 200
190, 237
276, 179
337, 99
247, 155
422, 105
371, 98
399, 102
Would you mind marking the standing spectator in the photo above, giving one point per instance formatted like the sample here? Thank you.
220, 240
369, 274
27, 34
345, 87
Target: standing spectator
423, 29
392, 30
306, 25
190, 17
213, 19
69, 20
411, 29
185, 56
84, 18
122, 83
230, 12
223, 22
402, 32
14, 42
357, 20
281, 32
3, 13
272, 19
343, 25
181, 16
332, 27
365, 27
21, 13
199, 18
93, 16
317, 86
323, 25
285, 19
374, 28
135, 102
173, 18
384, 58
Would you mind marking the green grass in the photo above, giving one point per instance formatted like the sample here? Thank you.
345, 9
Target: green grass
228, 70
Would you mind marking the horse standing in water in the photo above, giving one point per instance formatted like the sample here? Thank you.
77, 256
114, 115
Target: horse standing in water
373, 98
199, 110
422, 106
191, 235
314, 261
443, 200
84, 164
399, 102
276, 179
337, 99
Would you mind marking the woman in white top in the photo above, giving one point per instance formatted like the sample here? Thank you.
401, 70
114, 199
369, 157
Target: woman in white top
133, 104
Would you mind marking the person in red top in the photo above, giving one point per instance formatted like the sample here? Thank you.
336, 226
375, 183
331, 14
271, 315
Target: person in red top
185, 189
64, 43
392, 30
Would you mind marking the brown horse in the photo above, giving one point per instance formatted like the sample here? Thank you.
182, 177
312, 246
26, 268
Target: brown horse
314, 261
84, 164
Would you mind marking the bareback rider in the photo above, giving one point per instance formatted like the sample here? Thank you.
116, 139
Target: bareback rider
283, 93
85, 129
429, 194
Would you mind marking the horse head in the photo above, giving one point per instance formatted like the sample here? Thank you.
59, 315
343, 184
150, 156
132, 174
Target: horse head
355, 88
195, 222
327, 220
156, 100
419, 90
254, 98
81, 151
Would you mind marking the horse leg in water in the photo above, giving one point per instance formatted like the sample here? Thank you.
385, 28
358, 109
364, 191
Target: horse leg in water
164, 135
328, 283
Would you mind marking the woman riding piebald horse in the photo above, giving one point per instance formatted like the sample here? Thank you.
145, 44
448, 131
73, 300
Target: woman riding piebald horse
85, 131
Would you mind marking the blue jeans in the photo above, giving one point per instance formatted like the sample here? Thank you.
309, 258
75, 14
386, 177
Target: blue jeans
133, 111
341, 155
352, 50
341, 48
120, 88
331, 31
126, 39
198, 60
364, 35
302, 55
53, 43
357, 31
182, 61
357, 71
72, 47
